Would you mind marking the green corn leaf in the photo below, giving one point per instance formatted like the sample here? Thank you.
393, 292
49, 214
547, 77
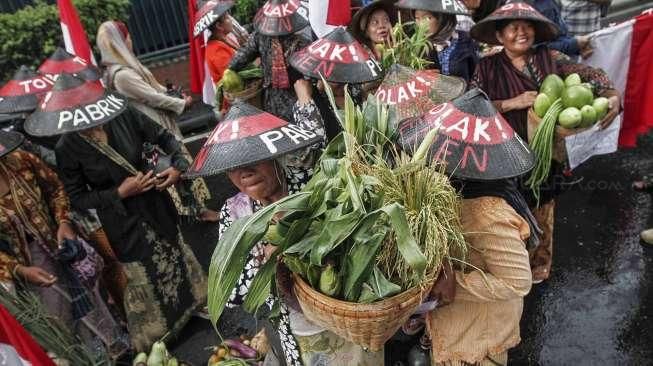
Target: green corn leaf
336, 229
229, 255
360, 259
406, 243
296, 265
381, 286
303, 246
259, 289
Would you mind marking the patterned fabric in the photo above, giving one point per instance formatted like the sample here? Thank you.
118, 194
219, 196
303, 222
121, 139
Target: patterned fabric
464, 23
494, 360
279, 67
36, 192
298, 170
163, 290
328, 349
483, 320
456, 56
279, 102
497, 76
581, 17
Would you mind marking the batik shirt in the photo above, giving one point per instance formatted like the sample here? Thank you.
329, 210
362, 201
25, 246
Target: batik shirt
298, 169
45, 205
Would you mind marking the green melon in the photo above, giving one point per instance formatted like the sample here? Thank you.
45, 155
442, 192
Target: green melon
541, 104
576, 96
570, 117
588, 114
572, 79
552, 86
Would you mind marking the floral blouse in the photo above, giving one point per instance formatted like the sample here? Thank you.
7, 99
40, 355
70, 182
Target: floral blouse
298, 168
42, 199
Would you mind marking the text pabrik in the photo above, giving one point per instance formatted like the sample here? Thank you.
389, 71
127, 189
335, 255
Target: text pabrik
90, 113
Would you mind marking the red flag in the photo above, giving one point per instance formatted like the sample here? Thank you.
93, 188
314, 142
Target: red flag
17, 347
339, 12
73, 32
200, 79
638, 109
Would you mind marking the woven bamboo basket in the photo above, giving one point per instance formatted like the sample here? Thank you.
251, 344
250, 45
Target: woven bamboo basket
251, 94
368, 325
559, 148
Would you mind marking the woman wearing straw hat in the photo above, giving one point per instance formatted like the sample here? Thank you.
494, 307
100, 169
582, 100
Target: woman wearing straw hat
34, 221
101, 164
277, 35
454, 52
263, 176
128, 76
484, 300
511, 79
372, 25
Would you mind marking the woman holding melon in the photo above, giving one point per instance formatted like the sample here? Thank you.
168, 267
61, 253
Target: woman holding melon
512, 77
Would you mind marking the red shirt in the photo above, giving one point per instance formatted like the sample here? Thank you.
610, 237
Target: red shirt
218, 55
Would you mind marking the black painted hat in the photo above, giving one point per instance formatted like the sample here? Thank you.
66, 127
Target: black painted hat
63, 62
74, 104
485, 30
209, 12
474, 141
248, 136
21, 93
281, 17
9, 141
412, 93
339, 58
435, 6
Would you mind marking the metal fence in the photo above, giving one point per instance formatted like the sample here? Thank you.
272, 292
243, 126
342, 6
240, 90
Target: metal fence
157, 27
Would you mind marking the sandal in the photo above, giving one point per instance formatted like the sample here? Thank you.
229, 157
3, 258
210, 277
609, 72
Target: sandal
539, 275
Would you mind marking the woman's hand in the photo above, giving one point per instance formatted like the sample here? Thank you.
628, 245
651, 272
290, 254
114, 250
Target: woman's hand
584, 46
614, 107
65, 231
522, 101
136, 185
188, 100
304, 91
444, 289
167, 178
36, 276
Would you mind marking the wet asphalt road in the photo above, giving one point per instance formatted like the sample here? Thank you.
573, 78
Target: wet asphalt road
597, 307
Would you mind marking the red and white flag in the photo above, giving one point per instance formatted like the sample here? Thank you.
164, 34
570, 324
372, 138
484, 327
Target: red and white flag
625, 52
200, 77
325, 16
74, 35
17, 347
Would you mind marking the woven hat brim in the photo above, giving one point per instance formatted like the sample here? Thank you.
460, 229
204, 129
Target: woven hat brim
282, 26
19, 104
10, 141
76, 118
354, 73
214, 159
457, 7
509, 159
485, 30
207, 20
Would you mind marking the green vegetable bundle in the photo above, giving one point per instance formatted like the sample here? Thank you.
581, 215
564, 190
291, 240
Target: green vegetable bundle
407, 50
233, 82
48, 331
369, 224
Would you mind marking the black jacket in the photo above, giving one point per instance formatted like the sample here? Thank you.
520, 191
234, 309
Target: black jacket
92, 179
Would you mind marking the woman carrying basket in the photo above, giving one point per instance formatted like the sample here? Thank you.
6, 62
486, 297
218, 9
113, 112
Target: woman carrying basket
262, 180
275, 38
511, 79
